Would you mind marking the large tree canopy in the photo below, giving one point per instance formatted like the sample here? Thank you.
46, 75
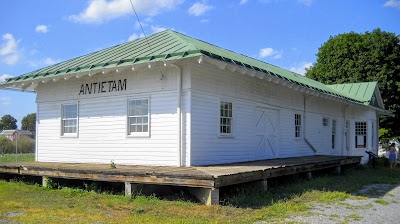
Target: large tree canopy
7, 122
29, 123
370, 56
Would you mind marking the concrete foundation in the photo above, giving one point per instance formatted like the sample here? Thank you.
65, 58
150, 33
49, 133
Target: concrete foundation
309, 175
338, 170
45, 181
263, 184
132, 189
207, 196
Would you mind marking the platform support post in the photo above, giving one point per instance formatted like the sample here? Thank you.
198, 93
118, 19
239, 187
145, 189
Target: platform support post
338, 170
131, 189
207, 196
309, 175
45, 181
263, 184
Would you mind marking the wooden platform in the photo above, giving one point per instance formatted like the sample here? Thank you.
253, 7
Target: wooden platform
208, 178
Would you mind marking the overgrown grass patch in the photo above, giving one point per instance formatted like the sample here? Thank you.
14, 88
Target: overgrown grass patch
10, 158
381, 201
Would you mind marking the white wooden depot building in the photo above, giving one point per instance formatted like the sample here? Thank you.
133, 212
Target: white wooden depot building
184, 102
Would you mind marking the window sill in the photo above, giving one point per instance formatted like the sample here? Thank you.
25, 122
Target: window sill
69, 136
226, 136
146, 135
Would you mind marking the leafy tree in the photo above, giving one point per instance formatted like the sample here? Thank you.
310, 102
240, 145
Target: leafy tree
364, 57
29, 123
5, 145
7, 122
26, 145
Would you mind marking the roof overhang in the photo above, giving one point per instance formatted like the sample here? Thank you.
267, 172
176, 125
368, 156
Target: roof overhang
279, 80
30, 84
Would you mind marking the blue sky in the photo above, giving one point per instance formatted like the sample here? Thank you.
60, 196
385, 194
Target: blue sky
286, 33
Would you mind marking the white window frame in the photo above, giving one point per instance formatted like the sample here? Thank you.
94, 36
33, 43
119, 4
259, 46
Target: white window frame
128, 126
62, 133
220, 117
361, 132
298, 123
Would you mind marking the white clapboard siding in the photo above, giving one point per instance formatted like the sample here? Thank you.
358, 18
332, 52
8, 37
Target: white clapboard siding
249, 95
102, 133
103, 120
207, 146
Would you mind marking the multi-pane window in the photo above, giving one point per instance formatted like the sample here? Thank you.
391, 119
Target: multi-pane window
225, 118
333, 133
297, 125
325, 122
69, 123
138, 117
361, 134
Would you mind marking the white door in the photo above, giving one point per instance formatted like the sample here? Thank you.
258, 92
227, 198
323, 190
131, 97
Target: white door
267, 143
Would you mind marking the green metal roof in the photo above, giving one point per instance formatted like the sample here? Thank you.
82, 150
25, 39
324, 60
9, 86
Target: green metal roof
171, 45
363, 92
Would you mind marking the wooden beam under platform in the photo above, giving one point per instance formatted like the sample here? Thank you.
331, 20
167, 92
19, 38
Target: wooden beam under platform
205, 181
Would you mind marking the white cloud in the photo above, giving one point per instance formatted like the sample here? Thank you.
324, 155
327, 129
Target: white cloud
301, 69
9, 51
242, 2
41, 29
199, 8
4, 77
5, 100
156, 29
43, 62
278, 55
305, 2
99, 11
135, 36
50, 61
153, 29
392, 3
270, 52
266, 52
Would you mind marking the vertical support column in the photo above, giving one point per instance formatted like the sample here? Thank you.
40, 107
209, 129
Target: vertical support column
207, 196
128, 189
45, 181
263, 184
212, 196
131, 189
338, 170
309, 175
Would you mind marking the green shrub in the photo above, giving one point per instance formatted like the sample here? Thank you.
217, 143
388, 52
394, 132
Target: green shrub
25, 145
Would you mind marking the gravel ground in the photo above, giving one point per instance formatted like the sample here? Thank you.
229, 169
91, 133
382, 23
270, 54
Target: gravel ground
382, 206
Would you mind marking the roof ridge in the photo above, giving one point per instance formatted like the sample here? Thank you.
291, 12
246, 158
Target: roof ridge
175, 33
351, 83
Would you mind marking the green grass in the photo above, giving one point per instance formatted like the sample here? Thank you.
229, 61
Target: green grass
242, 204
381, 201
9, 158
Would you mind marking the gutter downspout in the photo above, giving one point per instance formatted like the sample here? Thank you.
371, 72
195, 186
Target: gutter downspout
305, 130
178, 112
